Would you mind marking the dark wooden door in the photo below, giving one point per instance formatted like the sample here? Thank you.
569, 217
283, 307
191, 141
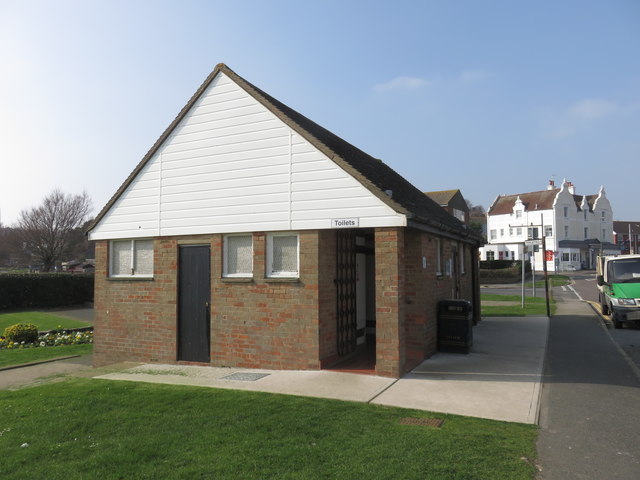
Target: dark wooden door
194, 295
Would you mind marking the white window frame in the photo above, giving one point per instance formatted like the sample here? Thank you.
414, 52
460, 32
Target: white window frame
132, 274
438, 257
269, 264
548, 230
225, 257
493, 234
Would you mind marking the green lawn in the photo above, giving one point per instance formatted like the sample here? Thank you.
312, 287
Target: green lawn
44, 321
87, 428
532, 306
26, 355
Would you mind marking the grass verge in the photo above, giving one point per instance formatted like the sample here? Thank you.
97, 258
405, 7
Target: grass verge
554, 281
87, 428
26, 355
532, 306
44, 321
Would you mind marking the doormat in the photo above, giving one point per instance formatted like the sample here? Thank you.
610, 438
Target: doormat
246, 376
422, 422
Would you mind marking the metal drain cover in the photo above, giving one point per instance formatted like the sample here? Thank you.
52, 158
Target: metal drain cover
246, 376
422, 422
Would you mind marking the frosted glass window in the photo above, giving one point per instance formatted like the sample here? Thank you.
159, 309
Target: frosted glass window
282, 255
121, 258
143, 251
238, 256
131, 258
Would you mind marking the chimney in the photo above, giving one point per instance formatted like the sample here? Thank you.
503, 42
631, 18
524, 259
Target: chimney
551, 185
572, 188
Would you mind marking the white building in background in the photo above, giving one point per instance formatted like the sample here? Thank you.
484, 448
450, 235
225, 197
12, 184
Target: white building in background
576, 227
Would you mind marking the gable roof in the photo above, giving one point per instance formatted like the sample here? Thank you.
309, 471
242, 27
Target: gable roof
532, 201
535, 201
442, 197
380, 179
623, 227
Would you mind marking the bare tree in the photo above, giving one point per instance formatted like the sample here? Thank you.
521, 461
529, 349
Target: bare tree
46, 230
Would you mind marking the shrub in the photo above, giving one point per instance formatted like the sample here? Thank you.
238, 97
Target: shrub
503, 264
502, 271
21, 332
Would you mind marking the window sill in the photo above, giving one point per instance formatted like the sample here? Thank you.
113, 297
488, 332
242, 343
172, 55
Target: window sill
282, 279
237, 279
130, 279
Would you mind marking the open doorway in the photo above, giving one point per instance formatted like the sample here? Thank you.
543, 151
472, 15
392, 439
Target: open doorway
356, 296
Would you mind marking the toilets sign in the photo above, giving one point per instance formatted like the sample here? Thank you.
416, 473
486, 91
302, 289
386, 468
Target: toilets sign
345, 222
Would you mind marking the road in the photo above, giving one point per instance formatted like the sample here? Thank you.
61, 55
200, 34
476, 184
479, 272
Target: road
590, 409
627, 338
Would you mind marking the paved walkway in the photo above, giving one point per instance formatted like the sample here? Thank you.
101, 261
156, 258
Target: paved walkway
86, 314
14, 378
590, 415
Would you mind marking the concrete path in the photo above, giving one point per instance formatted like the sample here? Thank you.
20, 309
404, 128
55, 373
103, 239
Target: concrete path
590, 414
85, 314
500, 378
14, 378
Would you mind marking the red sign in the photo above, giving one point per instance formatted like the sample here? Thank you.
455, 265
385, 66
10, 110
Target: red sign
548, 255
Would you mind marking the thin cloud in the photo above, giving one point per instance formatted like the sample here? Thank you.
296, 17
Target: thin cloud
474, 76
565, 122
591, 109
401, 83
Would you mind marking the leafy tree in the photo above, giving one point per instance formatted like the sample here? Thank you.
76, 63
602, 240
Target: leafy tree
47, 231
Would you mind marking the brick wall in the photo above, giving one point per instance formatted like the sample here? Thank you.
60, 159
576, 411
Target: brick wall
135, 319
390, 304
424, 289
280, 323
268, 323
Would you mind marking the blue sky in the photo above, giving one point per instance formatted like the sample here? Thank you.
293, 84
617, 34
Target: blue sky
493, 97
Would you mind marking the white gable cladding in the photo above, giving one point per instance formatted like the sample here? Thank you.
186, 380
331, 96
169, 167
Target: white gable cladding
232, 166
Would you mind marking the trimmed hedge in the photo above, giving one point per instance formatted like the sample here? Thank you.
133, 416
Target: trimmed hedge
45, 290
503, 264
502, 271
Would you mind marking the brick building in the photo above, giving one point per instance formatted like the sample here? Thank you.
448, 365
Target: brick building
249, 236
625, 234
453, 202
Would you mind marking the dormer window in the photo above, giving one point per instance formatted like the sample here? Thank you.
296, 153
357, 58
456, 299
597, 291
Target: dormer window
518, 213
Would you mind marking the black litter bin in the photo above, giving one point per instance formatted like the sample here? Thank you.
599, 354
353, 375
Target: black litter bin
455, 322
